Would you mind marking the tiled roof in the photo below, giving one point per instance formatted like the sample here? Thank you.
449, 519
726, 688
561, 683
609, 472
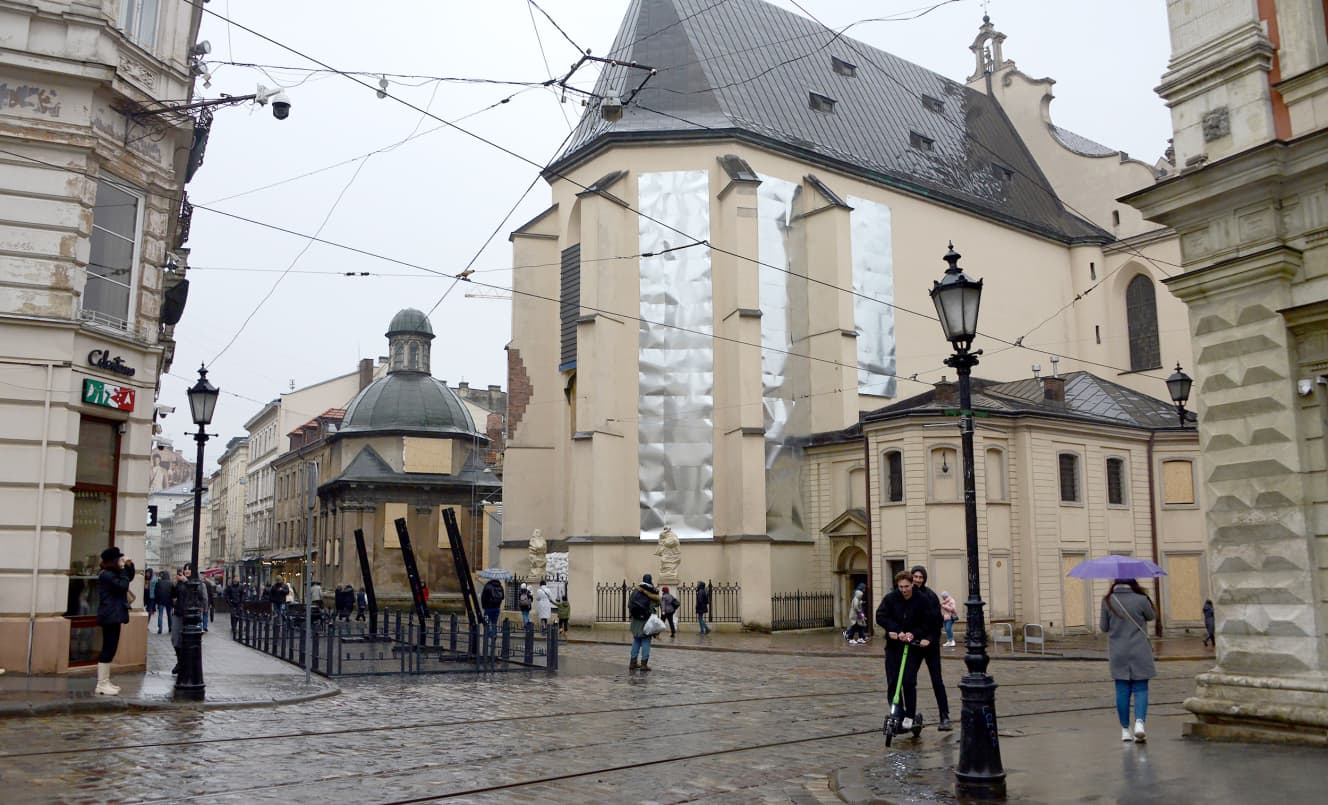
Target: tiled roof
1087, 398
745, 69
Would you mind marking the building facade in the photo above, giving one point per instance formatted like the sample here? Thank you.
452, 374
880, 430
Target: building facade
161, 508
1247, 85
786, 218
90, 245
227, 489
181, 532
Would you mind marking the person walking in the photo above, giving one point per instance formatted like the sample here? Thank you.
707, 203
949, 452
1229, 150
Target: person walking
932, 654
1125, 610
207, 602
361, 603
149, 600
163, 590
117, 573
640, 606
667, 606
857, 617
276, 595
234, 596
544, 605
1209, 624
564, 613
949, 616
178, 593
906, 618
523, 602
702, 606
491, 601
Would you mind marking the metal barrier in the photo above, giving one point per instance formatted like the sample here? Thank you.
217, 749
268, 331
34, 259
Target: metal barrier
402, 645
1033, 634
800, 610
725, 601
1002, 633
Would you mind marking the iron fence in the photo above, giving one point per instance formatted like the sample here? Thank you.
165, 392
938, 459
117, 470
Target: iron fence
725, 601
401, 645
512, 586
800, 610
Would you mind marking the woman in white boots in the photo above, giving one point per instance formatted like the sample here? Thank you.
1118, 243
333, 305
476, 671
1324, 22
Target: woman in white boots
112, 612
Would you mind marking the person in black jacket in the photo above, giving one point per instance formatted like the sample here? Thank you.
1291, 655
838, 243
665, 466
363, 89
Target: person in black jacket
702, 606
932, 655
112, 612
906, 618
164, 593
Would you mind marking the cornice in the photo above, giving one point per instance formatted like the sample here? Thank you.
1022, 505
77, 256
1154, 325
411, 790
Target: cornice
1276, 264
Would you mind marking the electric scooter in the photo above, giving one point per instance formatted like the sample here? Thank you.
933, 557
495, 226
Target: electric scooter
894, 722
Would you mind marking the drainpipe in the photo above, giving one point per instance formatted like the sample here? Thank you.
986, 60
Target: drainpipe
1152, 528
866, 497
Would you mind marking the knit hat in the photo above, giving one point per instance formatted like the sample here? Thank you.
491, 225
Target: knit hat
648, 579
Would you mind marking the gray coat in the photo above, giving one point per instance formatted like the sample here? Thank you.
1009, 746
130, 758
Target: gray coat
1128, 647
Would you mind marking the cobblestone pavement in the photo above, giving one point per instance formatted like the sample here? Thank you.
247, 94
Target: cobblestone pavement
701, 726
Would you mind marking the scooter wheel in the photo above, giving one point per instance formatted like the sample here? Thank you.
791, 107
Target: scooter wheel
889, 730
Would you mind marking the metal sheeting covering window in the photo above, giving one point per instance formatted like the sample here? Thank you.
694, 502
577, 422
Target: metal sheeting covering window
784, 378
675, 407
873, 277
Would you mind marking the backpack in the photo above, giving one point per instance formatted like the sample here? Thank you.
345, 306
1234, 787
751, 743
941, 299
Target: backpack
491, 597
638, 605
523, 599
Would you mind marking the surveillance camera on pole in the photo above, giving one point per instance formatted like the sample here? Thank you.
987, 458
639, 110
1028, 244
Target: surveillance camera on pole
611, 108
281, 104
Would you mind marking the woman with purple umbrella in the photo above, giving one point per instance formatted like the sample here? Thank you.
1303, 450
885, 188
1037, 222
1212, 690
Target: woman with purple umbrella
1125, 610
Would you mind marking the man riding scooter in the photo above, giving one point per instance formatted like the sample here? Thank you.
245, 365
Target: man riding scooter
906, 618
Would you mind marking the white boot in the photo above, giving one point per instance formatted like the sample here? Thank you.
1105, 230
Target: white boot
1139, 735
104, 686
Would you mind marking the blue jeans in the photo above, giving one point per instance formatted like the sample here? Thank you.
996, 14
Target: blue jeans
1124, 687
641, 645
166, 610
949, 630
525, 617
205, 618
700, 619
491, 622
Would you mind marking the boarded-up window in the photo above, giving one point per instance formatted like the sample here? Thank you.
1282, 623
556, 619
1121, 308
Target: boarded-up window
1185, 587
391, 513
995, 476
1141, 315
894, 476
1115, 482
1177, 482
1069, 477
857, 488
569, 306
426, 455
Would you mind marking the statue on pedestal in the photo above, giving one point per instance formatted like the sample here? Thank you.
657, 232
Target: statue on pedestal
669, 552
538, 560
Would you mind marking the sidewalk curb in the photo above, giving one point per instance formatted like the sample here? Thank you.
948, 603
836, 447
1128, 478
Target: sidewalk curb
108, 704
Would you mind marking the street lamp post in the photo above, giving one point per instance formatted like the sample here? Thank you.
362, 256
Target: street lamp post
979, 774
1178, 386
189, 681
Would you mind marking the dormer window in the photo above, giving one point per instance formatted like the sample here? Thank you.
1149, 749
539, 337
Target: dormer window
921, 141
1001, 172
934, 104
843, 68
821, 103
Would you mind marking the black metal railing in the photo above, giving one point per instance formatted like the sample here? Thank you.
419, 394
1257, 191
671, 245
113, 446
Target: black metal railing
401, 645
725, 601
802, 610
512, 586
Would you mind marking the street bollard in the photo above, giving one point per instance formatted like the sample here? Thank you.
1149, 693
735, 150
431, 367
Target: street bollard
437, 629
452, 633
507, 640
551, 651
529, 654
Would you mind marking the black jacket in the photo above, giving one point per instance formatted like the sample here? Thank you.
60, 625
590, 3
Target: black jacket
702, 600
916, 614
277, 595
112, 595
234, 596
491, 597
163, 591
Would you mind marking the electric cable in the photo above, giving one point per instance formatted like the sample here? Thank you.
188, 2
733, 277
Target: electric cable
555, 24
539, 40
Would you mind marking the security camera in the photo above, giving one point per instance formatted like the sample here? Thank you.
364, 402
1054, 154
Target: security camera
611, 109
201, 49
280, 105
164, 443
1305, 387
161, 410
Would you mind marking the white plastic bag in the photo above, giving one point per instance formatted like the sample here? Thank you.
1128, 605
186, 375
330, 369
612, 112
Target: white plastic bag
654, 625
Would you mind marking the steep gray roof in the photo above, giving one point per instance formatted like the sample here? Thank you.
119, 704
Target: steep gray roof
408, 402
410, 320
1087, 398
745, 69
1081, 144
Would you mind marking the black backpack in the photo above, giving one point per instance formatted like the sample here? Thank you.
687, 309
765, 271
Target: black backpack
492, 595
638, 605
523, 599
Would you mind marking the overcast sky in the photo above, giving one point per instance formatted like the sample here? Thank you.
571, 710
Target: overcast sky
433, 200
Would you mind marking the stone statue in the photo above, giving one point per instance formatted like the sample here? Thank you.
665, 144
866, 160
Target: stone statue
538, 561
669, 552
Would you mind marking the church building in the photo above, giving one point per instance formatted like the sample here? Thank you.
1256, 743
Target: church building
747, 236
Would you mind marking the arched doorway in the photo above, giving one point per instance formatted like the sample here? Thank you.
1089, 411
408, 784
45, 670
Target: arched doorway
852, 568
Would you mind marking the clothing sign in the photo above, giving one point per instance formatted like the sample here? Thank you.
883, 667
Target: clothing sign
104, 394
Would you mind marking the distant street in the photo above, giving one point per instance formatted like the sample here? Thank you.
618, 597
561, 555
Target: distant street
702, 726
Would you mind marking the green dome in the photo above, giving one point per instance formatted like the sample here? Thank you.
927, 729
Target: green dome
407, 401
410, 320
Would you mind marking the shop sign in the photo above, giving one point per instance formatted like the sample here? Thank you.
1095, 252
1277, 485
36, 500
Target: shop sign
102, 359
104, 394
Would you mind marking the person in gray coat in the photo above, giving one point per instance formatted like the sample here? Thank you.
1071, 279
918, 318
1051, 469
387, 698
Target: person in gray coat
1125, 610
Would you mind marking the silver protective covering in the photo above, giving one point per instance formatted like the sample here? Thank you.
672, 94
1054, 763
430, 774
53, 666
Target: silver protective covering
873, 277
783, 377
675, 407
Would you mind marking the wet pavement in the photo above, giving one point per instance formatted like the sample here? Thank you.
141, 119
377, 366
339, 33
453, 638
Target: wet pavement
235, 676
725, 726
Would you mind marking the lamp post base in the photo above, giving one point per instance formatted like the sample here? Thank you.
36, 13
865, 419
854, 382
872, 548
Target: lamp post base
979, 773
189, 685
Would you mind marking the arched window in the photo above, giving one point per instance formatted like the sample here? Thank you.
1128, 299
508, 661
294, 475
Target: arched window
892, 481
1141, 317
995, 476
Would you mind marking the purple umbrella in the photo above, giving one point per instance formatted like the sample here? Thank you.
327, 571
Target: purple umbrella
1116, 567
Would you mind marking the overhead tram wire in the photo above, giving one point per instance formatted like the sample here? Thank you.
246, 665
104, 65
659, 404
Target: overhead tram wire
555, 24
539, 40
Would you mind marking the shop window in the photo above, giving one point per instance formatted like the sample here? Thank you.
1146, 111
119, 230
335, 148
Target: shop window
1178, 482
893, 468
1069, 477
113, 255
96, 479
1115, 482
